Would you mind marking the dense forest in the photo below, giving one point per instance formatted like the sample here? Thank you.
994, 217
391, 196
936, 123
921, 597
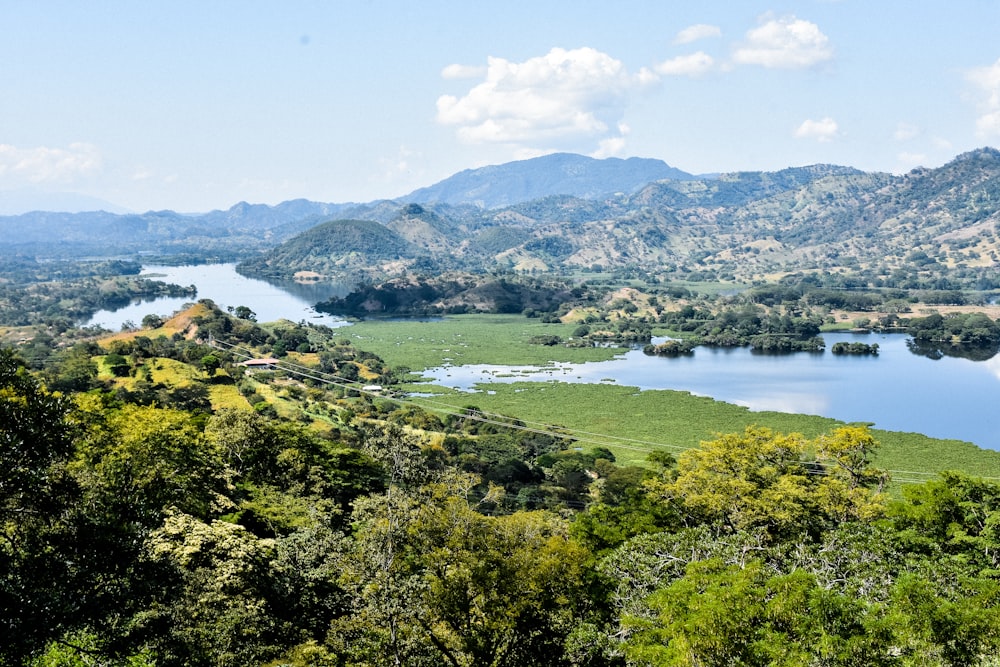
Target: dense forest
157, 510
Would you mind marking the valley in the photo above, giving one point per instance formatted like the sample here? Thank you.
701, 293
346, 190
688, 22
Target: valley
567, 390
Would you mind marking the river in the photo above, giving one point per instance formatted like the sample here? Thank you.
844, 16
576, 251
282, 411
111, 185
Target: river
897, 390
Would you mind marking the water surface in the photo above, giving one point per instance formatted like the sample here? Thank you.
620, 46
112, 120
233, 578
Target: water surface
228, 289
896, 391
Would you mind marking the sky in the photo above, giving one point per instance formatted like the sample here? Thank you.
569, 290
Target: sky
194, 106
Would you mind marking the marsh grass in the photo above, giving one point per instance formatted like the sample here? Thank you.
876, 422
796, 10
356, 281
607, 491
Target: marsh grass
467, 339
639, 420
632, 423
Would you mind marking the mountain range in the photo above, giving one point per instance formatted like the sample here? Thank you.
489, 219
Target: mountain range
568, 212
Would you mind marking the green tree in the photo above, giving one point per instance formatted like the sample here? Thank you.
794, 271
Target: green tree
215, 610
145, 459
37, 433
211, 363
763, 479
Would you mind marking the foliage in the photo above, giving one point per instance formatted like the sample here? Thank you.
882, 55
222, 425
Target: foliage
144, 524
855, 348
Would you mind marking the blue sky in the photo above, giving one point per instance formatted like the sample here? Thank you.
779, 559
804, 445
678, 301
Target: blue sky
198, 105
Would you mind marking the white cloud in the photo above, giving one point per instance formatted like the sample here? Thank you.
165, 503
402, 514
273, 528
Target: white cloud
987, 82
612, 146
696, 32
905, 131
47, 165
694, 64
462, 72
142, 174
566, 99
988, 124
822, 130
787, 42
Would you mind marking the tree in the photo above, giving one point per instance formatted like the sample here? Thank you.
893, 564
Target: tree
244, 313
763, 479
211, 363
146, 459
435, 582
721, 615
37, 434
216, 610
152, 321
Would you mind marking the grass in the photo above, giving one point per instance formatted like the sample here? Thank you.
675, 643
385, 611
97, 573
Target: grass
467, 339
222, 392
643, 421
226, 395
639, 421
179, 323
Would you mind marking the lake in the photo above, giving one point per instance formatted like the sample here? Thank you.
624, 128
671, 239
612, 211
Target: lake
897, 390
227, 288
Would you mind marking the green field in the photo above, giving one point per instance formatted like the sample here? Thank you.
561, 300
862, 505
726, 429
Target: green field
632, 423
465, 340
629, 422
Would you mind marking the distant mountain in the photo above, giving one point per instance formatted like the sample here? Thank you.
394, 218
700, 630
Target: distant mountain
557, 174
931, 228
242, 229
15, 202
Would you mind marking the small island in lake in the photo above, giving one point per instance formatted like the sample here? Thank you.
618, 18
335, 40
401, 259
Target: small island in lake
855, 348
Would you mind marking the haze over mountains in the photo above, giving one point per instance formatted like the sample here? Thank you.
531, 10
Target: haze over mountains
571, 212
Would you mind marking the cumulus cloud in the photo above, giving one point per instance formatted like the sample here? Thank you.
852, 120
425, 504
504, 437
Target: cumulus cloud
462, 72
786, 42
566, 99
822, 130
694, 64
612, 146
48, 165
696, 32
987, 83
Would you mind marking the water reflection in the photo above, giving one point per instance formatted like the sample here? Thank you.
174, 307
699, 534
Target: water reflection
938, 350
806, 404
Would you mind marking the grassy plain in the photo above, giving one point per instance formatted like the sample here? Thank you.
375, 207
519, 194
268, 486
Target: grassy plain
467, 339
629, 422
632, 423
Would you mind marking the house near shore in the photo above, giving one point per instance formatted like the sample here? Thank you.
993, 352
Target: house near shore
268, 364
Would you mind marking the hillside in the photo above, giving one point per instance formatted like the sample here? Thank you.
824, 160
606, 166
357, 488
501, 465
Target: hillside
931, 228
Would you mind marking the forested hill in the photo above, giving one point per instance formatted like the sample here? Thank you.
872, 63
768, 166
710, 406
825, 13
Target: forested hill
928, 228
